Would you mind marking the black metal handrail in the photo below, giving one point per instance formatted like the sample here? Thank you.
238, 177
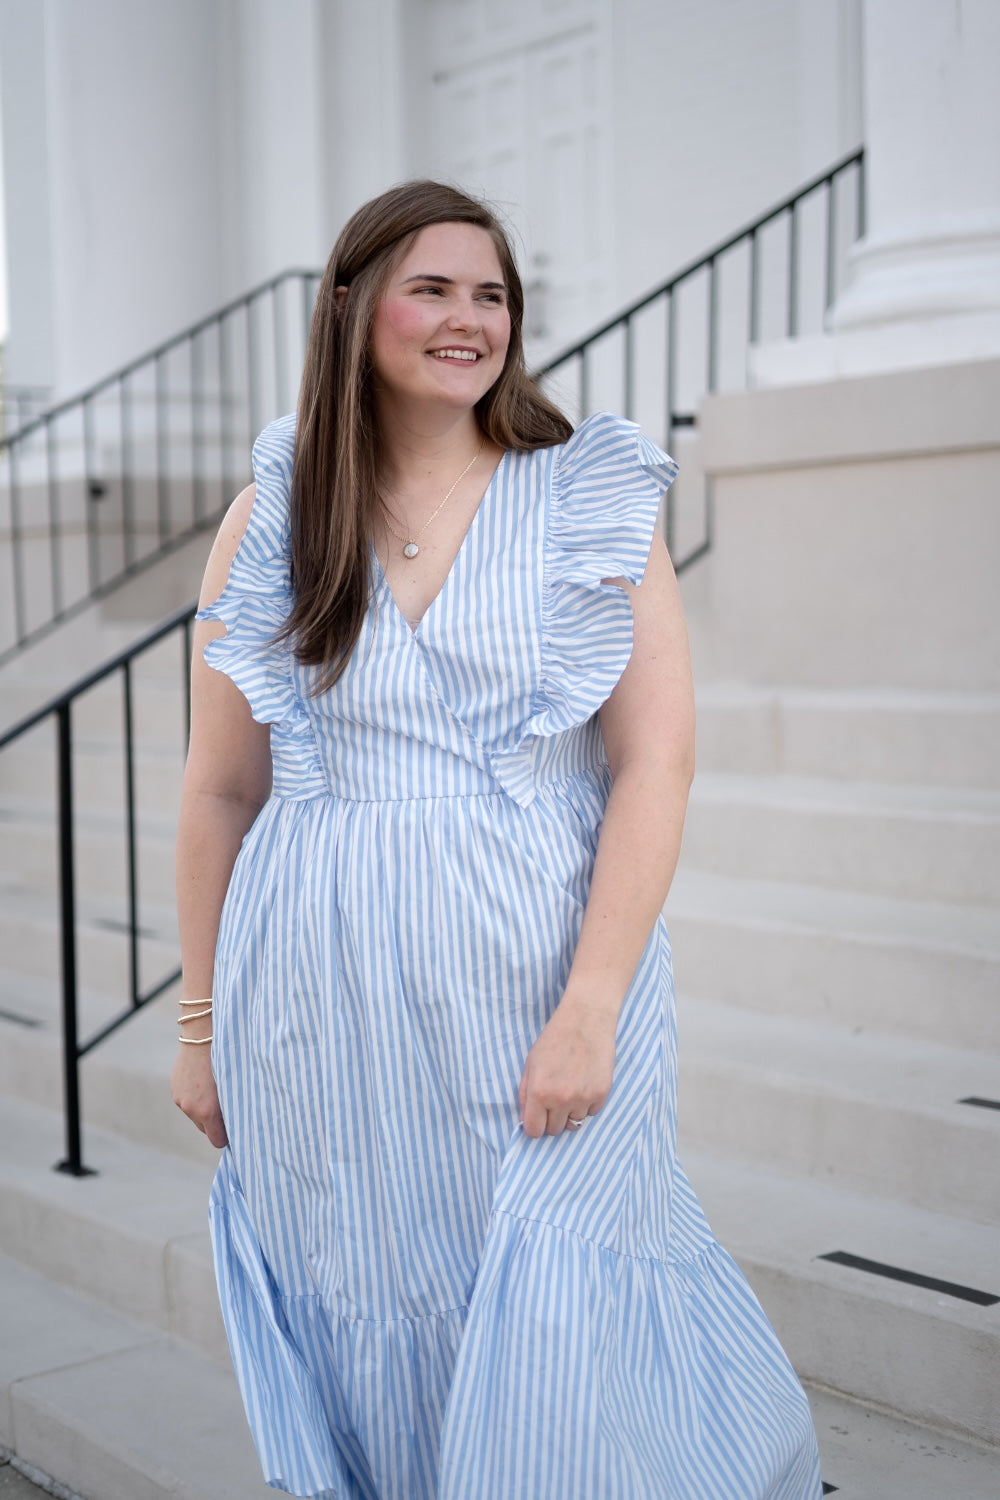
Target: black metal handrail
59, 710
750, 287
98, 486
19, 404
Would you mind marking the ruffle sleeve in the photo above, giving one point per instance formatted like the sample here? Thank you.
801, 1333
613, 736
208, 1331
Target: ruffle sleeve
255, 604
607, 486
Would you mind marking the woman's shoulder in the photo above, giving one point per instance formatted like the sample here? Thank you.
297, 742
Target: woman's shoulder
228, 540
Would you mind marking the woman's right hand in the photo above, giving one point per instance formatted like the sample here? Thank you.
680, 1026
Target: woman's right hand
192, 1086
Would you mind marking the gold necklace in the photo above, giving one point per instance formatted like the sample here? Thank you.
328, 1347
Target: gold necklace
410, 547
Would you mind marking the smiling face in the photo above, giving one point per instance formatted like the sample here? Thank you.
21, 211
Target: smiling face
442, 326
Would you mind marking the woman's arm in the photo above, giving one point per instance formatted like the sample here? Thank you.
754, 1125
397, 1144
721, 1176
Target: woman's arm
648, 729
227, 779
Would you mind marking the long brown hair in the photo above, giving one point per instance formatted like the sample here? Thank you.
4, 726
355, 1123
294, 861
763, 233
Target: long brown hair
338, 450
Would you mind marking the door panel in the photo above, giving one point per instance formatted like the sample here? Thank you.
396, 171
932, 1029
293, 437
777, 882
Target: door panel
518, 104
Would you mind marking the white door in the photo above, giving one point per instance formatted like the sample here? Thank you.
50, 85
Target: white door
517, 103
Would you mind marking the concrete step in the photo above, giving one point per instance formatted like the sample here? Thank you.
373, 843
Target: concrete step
97, 1403
28, 773
134, 1237
30, 848
123, 1082
110, 1409
879, 1114
880, 735
911, 842
909, 968
61, 1350
98, 634
876, 1113
870, 1454
24, 1481
30, 945
923, 1352
158, 703
97, 629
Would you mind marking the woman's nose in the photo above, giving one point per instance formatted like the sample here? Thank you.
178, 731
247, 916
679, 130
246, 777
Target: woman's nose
464, 313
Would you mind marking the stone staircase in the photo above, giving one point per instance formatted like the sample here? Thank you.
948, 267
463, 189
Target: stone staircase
835, 924
836, 931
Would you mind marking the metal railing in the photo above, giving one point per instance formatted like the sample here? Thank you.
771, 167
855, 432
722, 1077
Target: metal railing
99, 486
19, 404
777, 277
60, 713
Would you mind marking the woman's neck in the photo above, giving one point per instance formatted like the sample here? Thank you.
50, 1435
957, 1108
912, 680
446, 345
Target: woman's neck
415, 453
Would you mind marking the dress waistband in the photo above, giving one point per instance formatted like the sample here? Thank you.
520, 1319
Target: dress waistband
405, 771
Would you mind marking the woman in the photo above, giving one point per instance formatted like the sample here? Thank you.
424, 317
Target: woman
455, 1252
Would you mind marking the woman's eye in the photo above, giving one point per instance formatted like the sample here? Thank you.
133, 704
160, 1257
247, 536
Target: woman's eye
494, 297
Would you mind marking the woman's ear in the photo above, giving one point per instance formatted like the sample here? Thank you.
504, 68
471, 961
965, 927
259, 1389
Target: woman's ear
340, 292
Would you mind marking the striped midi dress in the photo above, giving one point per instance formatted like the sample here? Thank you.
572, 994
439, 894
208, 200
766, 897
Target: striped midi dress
422, 1302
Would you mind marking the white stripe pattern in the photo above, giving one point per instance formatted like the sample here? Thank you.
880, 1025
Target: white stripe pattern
422, 1302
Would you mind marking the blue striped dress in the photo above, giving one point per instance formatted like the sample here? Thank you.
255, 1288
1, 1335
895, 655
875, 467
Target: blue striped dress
422, 1302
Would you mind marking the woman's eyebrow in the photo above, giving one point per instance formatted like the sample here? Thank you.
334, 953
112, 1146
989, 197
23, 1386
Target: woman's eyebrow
491, 286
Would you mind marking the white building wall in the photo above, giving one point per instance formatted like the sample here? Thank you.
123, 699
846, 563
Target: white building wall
30, 355
192, 149
128, 103
270, 81
720, 110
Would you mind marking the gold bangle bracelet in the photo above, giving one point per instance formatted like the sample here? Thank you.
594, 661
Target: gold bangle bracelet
195, 1015
194, 1041
205, 1000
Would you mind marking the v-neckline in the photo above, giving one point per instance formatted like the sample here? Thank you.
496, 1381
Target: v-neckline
413, 630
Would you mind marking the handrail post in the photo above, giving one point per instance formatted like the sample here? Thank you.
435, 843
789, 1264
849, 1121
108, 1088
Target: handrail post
21, 630
712, 359
73, 1162
671, 394
792, 309
130, 834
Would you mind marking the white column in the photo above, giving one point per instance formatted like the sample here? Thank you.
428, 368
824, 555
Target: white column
932, 96
29, 357
924, 287
365, 103
110, 139
271, 131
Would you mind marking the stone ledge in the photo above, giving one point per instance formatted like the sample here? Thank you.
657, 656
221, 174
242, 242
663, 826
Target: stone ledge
905, 414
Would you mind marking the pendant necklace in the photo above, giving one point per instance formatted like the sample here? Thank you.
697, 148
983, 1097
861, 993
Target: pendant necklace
410, 545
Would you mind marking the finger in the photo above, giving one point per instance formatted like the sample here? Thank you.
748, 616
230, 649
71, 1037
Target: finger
534, 1118
557, 1121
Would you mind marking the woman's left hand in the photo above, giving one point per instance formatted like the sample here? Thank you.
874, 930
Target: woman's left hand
568, 1072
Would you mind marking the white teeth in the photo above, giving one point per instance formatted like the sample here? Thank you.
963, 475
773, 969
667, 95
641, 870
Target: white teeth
464, 354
